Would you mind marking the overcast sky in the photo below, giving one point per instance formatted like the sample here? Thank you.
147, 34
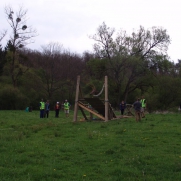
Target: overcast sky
70, 22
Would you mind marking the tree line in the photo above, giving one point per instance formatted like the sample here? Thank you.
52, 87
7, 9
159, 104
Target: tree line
135, 64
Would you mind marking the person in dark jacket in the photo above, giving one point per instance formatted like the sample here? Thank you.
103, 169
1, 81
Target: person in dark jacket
122, 107
47, 108
137, 108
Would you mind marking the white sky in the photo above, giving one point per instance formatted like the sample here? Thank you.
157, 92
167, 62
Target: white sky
70, 22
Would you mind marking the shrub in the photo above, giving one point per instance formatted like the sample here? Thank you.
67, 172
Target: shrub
12, 98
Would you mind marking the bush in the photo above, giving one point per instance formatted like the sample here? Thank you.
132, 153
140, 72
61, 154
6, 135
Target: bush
12, 98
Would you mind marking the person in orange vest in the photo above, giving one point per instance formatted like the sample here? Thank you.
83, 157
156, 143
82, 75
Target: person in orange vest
42, 108
57, 109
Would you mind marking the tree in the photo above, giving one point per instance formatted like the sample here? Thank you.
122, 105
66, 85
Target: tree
129, 56
2, 52
3, 34
2, 59
22, 34
49, 62
58, 70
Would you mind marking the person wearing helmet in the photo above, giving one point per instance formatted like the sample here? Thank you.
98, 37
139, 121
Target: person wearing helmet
57, 109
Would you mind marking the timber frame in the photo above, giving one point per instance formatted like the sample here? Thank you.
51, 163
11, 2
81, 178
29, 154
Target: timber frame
100, 108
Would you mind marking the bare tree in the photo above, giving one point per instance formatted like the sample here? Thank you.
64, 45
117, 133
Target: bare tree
3, 34
22, 34
59, 69
104, 41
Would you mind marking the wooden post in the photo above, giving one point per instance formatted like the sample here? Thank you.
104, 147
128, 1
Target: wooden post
76, 99
91, 116
106, 99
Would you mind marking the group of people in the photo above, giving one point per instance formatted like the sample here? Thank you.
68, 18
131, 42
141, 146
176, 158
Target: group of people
45, 108
139, 107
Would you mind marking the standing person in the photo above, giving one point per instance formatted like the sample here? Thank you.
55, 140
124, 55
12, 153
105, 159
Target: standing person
137, 108
143, 106
57, 109
122, 107
66, 108
47, 108
42, 108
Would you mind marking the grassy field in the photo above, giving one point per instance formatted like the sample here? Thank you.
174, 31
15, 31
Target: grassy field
54, 149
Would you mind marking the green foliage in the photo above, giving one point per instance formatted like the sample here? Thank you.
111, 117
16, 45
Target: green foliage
166, 95
135, 64
97, 68
131, 57
30, 84
2, 59
12, 98
93, 84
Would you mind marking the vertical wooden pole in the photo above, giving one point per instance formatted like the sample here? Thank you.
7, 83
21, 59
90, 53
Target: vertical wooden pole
106, 98
76, 99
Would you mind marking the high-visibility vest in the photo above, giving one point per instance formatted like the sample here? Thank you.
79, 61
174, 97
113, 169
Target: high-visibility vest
66, 105
143, 104
42, 105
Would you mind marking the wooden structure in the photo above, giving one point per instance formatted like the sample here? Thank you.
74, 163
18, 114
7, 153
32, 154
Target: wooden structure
100, 108
129, 111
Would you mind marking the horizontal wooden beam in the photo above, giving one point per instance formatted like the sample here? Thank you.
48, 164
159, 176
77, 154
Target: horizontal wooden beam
91, 111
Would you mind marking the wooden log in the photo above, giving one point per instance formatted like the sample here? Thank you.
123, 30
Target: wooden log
76, 99
91, 111
106, 99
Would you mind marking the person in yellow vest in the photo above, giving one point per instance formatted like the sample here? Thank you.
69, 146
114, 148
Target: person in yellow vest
143, 106
42, 108
66, 108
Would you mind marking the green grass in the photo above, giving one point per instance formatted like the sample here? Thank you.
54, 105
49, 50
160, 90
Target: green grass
54, 149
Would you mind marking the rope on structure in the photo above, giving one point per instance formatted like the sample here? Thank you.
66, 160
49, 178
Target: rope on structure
100, 91
93, 90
